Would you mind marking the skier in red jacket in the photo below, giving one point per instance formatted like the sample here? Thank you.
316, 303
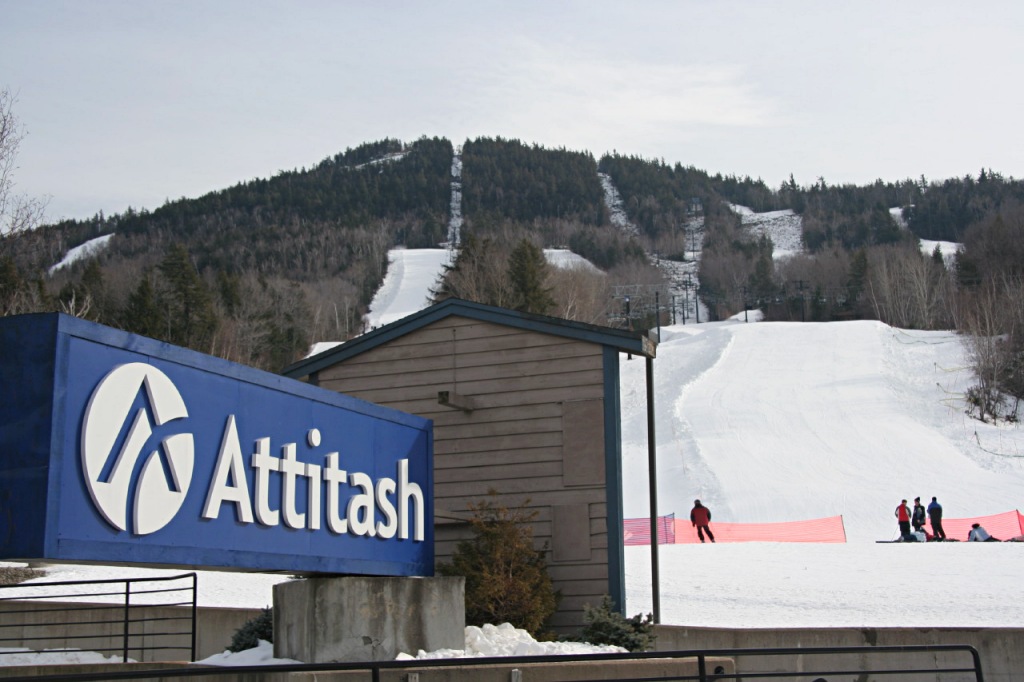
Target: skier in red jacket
700, 516
903, 517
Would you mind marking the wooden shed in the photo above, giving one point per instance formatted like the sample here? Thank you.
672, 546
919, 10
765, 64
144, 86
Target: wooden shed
525, 405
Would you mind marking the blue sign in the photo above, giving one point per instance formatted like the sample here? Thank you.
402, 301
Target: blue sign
120, 449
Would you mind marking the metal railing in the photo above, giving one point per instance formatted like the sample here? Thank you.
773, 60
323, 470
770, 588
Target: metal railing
947, 662
112, 617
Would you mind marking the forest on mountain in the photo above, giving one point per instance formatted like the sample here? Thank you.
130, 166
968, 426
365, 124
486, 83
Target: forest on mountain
259, 271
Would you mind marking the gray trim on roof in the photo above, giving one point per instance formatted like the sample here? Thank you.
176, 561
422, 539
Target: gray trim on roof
621, 340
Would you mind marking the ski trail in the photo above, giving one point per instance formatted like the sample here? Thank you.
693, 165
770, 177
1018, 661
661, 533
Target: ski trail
455, 205
683, 472
682, 276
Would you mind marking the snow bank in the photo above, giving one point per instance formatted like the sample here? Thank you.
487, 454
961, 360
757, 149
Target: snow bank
506, 640
262, 654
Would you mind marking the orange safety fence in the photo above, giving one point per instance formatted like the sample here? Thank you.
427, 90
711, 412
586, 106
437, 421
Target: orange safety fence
1003, 526
638, 531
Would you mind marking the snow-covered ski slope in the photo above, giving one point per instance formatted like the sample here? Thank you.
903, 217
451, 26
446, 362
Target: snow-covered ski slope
414, 273
784, 228
773, 421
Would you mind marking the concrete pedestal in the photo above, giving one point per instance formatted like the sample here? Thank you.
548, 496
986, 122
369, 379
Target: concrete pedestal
325, 620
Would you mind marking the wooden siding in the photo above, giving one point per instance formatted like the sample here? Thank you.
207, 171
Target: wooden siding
535, 435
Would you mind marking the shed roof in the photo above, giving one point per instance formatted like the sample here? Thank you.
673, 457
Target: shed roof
619, 339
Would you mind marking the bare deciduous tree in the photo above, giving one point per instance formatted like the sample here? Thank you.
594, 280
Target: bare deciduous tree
908, 289
993, 319
17, 212
581, 294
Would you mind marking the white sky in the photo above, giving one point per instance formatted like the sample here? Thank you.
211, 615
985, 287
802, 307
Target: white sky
130, 103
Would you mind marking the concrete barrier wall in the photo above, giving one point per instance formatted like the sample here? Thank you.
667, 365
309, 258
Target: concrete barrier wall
1001, 649
40, 625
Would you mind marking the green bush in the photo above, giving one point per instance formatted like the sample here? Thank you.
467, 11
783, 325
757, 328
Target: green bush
605, 625
248, 636
506, 577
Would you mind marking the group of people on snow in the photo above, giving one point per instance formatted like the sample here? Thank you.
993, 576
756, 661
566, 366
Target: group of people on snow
908, 519
911, 523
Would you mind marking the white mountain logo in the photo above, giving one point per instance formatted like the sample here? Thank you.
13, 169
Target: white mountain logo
156, 500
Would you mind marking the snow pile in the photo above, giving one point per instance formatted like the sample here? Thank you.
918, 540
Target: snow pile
506, 640
262, 654
784, 228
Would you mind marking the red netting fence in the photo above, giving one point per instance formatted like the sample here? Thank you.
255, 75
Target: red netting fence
673, 531
1003, 526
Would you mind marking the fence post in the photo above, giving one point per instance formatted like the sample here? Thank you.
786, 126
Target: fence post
127, 601
194, 600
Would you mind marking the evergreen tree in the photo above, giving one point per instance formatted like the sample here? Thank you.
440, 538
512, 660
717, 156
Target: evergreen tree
506, 578
762, 279
527, 271
142, 313
858, 277
11, 286
186, 303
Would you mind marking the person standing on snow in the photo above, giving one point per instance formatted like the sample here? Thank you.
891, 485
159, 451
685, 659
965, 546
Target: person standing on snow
700, 516
935, 516
917, 518
903, 516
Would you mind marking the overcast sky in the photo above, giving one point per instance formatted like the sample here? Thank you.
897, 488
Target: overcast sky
131, 103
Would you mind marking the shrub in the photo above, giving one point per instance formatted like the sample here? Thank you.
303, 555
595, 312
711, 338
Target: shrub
506, 578
248, 636
12, 575
605, 625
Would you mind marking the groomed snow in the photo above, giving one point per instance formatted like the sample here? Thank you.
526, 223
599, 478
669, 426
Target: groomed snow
770, 422
412, 274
